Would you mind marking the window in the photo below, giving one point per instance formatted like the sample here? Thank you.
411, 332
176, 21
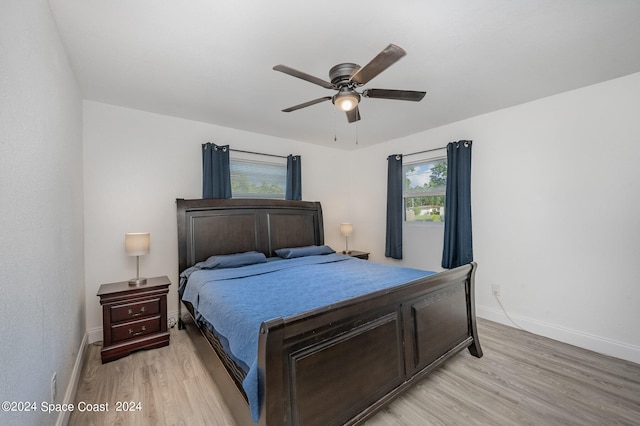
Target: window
258, 179
424, 190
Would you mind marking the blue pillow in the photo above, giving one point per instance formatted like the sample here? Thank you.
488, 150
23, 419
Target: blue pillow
292, 252
233, 260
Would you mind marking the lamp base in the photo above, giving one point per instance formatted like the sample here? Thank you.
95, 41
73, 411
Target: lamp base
346, 251
138, 281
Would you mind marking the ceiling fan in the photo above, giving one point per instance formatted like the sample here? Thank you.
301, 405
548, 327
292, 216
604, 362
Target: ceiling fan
347, 77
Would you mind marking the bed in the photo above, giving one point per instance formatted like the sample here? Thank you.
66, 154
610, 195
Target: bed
336, 360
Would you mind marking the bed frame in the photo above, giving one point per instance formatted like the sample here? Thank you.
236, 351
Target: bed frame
337, 364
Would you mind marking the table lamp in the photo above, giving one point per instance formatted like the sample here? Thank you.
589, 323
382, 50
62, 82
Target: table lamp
137, 244
346, 229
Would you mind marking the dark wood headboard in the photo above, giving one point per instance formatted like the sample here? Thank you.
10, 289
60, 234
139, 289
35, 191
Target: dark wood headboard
213, 226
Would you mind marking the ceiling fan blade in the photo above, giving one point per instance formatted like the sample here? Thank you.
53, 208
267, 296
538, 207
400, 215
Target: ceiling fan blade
353, 115
304, 76
389, 56
400, 95
306, 104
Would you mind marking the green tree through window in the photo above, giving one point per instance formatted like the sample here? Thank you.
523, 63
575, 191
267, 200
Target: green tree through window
424, 190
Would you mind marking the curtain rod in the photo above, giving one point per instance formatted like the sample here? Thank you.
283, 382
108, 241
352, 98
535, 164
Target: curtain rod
435, 149
257, 153
425, 151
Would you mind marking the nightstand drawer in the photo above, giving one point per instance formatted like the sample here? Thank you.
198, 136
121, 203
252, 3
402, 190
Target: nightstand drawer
131, 330
135, 310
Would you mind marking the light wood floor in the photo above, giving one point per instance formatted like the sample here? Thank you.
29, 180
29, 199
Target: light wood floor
523, 379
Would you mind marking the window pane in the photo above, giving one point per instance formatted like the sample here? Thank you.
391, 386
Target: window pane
255, 179
425, 190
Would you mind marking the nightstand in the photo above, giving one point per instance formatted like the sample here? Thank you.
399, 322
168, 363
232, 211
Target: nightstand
133, 317
359, 254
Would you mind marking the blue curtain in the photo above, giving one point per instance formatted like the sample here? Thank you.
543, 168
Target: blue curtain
216, 173
294, 178
458, 242
393, 244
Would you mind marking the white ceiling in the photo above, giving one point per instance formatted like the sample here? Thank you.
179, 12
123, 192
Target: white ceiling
211, 60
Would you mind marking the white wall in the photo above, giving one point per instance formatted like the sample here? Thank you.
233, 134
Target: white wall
555, 187
41, 212
137, 163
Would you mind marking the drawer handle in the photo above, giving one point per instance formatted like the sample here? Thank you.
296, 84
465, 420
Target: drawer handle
142, 330
137, 314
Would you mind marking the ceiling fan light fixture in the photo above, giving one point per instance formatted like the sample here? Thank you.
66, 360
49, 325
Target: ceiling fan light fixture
346, 100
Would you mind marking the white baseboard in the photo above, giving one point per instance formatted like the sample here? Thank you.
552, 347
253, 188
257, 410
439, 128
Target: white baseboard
95, 334
72, 386
563, 334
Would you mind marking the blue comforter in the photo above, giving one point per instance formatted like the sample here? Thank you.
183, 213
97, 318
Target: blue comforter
237, 301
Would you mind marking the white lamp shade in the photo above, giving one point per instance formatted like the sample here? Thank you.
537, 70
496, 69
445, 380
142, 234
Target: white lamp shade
136, 243
346, 229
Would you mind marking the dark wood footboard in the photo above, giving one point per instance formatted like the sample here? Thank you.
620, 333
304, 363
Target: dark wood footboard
340, 364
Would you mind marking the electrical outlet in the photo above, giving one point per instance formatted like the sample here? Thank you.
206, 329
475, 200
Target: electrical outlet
495, 290
53, 387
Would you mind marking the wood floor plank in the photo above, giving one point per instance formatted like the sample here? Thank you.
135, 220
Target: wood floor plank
523, 379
